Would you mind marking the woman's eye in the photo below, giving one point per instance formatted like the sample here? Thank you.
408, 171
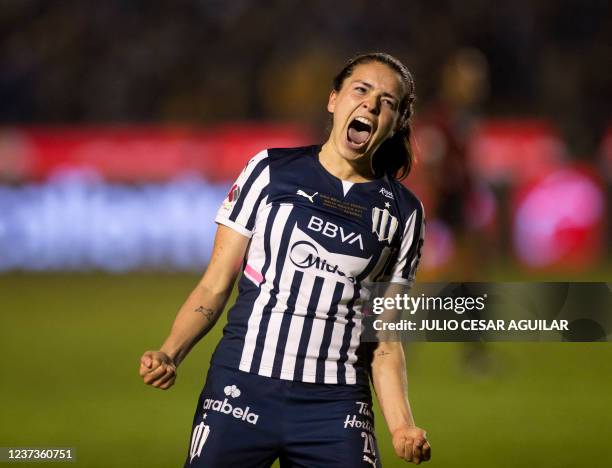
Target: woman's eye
389, 103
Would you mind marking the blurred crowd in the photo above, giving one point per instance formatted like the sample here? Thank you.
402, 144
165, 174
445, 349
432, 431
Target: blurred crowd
212, 60
541, 65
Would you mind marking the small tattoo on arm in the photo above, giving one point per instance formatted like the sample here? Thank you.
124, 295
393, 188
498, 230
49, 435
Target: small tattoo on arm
208, 313
384, 353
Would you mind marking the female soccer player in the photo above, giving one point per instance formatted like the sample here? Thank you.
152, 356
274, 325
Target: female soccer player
307, 228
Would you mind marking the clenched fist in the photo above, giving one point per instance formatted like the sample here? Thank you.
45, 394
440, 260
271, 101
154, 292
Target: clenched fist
157, 369
410, 443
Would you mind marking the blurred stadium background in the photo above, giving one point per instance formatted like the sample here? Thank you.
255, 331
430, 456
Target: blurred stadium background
122, 125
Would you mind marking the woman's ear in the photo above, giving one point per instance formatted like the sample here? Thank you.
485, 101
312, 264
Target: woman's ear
331, 103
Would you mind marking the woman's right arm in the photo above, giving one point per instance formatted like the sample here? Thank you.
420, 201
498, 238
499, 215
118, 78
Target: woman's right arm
200, 311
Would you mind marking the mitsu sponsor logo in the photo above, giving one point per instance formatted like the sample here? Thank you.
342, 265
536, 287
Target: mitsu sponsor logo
225, 407
303, 254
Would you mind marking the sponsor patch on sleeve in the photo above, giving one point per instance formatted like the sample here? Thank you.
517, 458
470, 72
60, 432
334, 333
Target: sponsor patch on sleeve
232, 197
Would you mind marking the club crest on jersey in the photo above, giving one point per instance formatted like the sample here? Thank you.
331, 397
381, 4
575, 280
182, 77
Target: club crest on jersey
198, 439
384, 224
232, 196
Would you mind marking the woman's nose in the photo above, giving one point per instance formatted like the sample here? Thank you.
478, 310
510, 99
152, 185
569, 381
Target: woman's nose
372, 104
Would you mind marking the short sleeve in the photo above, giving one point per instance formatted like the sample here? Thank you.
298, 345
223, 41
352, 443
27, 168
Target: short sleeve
403, 270
246, 196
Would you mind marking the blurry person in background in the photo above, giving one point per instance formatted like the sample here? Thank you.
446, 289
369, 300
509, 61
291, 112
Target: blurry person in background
307, 227
458, 205
450, 193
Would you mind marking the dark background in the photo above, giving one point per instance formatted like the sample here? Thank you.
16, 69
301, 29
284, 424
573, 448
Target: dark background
72, 339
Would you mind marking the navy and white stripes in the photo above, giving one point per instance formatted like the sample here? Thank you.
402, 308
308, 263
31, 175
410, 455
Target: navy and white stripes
298, 316
240, 214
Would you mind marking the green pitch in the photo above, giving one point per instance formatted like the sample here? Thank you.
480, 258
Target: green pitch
71, 346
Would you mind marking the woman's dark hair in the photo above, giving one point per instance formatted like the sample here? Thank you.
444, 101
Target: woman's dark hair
394, 156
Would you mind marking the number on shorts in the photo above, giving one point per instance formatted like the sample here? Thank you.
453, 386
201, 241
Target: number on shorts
368, 443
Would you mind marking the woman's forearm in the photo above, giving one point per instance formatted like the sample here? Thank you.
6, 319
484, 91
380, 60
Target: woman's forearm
391, 384
195, 318
205, 304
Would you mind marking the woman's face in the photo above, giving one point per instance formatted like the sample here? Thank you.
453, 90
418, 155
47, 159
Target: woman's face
365, 110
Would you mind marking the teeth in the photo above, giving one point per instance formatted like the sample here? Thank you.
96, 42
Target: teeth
363, 120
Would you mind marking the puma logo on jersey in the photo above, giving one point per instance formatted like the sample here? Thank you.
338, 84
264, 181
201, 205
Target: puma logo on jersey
305, 195
329, 229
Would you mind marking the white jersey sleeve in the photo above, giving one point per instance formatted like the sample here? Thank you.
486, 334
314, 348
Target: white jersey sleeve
246, 196
404, 269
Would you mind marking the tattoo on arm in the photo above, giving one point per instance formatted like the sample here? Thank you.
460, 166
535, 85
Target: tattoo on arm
384, 353
208, 313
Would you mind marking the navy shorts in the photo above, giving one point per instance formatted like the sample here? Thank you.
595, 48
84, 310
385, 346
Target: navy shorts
247, 420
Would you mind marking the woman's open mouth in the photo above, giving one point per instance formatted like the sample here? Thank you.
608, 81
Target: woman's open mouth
359, 132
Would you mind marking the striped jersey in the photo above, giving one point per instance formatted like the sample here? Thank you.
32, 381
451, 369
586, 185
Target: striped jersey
316, 240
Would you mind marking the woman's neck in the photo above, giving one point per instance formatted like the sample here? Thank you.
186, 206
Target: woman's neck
357, 171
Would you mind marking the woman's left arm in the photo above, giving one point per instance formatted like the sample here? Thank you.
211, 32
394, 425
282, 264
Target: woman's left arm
391, 386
